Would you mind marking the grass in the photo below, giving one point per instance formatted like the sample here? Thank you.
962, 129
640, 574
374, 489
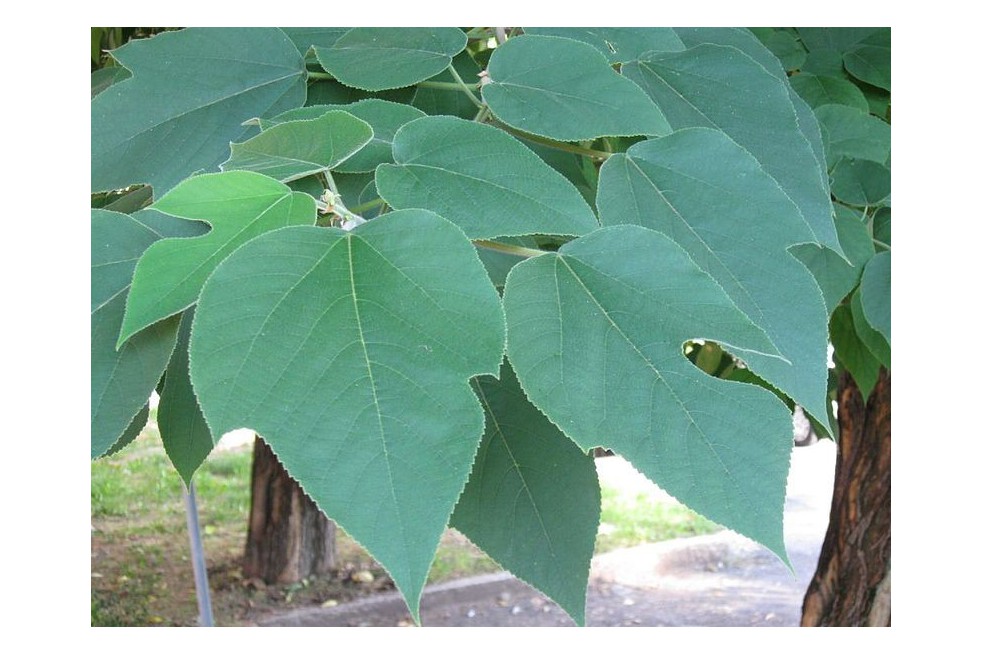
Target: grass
632, 519
141, 570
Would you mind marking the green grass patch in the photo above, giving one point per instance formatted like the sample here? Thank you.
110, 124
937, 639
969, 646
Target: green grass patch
632, 519
141, 484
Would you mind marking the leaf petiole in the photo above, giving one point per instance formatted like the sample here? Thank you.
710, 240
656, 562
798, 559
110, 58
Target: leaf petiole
449, 86
558, 145
465, 87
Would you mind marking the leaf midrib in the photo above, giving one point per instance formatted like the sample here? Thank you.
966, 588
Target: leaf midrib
521, 476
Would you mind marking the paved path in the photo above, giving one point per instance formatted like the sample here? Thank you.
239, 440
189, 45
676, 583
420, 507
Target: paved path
715, 580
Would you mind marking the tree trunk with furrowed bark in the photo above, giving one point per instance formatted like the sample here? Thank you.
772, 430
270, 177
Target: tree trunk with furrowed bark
289, 539
852, 584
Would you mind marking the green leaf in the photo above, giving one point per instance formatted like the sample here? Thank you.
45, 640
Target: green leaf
121, 380
869, 63
863, 51
851, 132
740, 38
595, 335
725, 88
565, 90
377, 58
104, 78
838, 39
875, 288
860, 182
238, 205
835, 275
131, 432
350, 353
851, 352
818, 90
480, 178
117, 243
304, 38
787, 48
384, 117
881, 225
618, 44
189, 94
312, 186
581, 171
183, 431
875, 342
743, 40
825, 63
129, 201
529, 477
708, 194
879, 101
298, 148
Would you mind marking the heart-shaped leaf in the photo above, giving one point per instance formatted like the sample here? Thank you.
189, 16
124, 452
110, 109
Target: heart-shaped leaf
377, 58
480, 178
298, 148
595, 334
565, 90
350, 353
384, 117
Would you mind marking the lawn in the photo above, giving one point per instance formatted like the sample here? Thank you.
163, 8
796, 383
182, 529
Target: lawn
141, 567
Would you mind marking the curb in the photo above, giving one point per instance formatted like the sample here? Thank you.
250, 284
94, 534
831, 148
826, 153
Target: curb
389, 607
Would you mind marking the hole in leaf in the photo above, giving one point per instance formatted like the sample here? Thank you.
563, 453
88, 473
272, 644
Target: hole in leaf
711, 358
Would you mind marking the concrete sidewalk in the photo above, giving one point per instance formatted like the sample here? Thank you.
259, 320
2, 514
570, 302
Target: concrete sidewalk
715, 580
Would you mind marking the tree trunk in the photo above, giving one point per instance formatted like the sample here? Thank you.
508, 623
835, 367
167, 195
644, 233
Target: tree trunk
289, 539
851, 586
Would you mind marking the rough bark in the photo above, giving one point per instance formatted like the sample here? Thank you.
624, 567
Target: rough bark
851, 586
289, 539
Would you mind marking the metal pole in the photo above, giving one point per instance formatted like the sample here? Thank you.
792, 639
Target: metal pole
198, 559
